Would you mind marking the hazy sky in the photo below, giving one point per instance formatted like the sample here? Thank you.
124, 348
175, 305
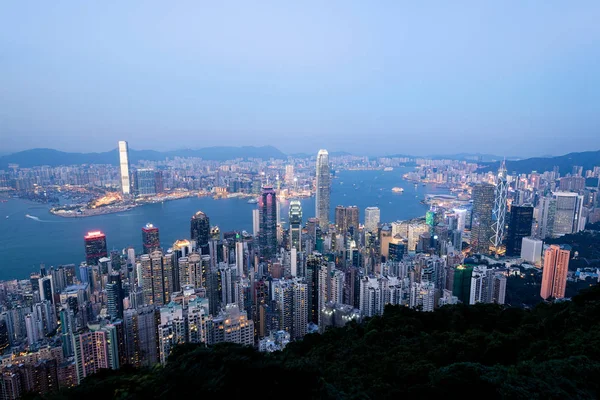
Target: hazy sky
420, 77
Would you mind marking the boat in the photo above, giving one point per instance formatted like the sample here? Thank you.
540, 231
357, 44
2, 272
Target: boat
252, 201
388, 169
397, 190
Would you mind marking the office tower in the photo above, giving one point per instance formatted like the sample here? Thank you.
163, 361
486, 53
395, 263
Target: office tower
481, 221
267, 206
546, 212
95, 247
256, 222
568, 216
295, 218
346, 218
323, 189
461, 286
314, 263
372, 216
499, 210
144, 182
554, 277
124, 164
114, 296
200, 231
4, 336
520, 221
531, 250
150, 238
46, 288
158, 182
148, 319
231, 325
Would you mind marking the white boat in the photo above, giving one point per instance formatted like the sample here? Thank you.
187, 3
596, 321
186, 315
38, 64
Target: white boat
388, 169
252, 201
397, 190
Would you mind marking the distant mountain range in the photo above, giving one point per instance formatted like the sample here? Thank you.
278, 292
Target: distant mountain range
53, 158
586, 159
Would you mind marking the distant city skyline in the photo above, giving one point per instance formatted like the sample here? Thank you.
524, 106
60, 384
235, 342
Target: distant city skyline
346, 76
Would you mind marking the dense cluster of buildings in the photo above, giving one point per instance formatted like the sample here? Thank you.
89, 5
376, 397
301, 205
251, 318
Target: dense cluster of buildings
280, 282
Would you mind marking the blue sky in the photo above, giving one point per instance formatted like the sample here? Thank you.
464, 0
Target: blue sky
504, 77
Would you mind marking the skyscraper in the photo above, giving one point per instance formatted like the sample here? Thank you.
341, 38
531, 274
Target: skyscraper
345, 219
95, 247
200, 231
114, 296
568, 215
145, 182
323, 189
372, 217
268, 222
520, 220
150, 238
499, 211
295, 218
124, 164
481, 222
554, 277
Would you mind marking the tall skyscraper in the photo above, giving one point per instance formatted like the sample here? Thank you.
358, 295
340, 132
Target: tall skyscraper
255, 222
481, 222
200, 231
268, 222
323, 189
372, 218
295, 219
95, 247
568, 215
499, 211
157, 277
145, 182
346, 218
114, 296
150, 238
124, 164
520, 221
554, 277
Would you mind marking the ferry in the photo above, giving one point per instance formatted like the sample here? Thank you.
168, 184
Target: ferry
397, 190
388, 169
252, 201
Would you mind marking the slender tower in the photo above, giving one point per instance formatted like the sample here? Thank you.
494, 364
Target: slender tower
499, 211
323, 189
124, 163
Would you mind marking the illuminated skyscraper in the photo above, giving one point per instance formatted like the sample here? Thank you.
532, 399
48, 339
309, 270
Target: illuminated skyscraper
481, 223
323, 189
267, 206
200, 231
295, 224
554, 277
345, 219
124, 164
499, 211
145, 182
150, 238
95, 247
372, 218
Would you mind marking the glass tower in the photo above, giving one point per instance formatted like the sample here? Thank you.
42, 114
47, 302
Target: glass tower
295, 224
323, 189
124, 164
267, 207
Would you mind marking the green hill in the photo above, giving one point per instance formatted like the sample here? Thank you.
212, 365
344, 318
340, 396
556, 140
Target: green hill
486, 351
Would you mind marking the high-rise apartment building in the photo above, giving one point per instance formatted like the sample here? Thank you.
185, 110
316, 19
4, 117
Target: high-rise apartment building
124, 166
372, 218
481, 221
157, 277
295, 219
520, 221
95, 247
267, 206
323, 189
556, 267
150, 238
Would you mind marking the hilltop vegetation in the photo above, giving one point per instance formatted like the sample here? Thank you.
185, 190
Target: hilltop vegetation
488, 351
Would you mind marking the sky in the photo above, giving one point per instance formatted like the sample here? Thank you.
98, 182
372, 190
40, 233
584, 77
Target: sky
517, 78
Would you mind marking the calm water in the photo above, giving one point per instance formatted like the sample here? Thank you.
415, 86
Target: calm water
26, 242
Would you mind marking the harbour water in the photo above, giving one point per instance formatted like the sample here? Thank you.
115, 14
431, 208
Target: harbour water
31, 235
